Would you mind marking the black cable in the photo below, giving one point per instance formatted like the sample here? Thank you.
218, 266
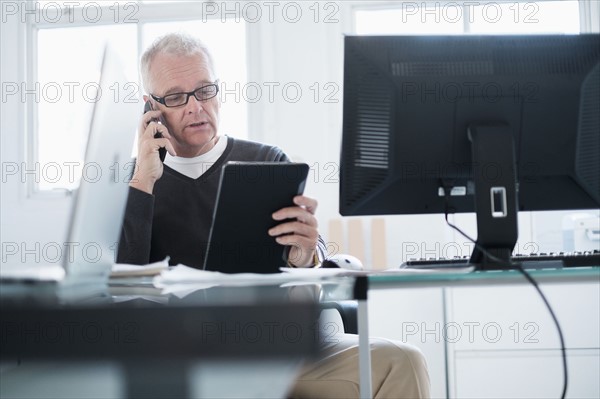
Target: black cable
531, 280
560, 334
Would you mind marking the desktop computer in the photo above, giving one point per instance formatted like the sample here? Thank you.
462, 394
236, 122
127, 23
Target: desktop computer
486, 124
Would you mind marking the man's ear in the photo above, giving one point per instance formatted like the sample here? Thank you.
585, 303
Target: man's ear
146, 98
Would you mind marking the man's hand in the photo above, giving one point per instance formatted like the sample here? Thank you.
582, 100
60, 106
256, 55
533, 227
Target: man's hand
148, 167
300, 232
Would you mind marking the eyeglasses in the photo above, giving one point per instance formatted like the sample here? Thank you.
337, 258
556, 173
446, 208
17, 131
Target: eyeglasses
178, 99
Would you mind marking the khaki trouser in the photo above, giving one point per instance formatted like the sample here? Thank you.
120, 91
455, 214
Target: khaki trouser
398, 371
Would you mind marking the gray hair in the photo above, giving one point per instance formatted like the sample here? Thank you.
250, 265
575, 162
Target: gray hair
178, 44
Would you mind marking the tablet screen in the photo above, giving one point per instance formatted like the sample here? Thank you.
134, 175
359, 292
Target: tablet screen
249, 193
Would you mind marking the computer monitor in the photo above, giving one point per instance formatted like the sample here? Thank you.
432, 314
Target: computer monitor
485, 124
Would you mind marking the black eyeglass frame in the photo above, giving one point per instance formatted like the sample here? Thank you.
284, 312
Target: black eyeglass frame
163, 100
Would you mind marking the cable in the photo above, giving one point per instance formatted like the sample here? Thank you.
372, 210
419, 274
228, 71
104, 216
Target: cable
531, 280
560, 334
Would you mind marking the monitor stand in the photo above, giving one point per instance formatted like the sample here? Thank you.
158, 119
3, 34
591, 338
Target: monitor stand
494, 176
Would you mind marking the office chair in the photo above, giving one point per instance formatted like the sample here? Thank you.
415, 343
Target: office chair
348, 311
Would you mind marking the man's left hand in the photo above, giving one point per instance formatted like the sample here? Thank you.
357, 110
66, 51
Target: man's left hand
299, 230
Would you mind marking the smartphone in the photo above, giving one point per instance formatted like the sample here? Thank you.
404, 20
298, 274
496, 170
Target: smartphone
162, 152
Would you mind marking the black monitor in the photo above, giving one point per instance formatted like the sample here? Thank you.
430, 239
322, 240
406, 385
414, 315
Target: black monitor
485, 124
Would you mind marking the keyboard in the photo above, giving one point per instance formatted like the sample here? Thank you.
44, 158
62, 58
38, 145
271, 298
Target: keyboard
550, 260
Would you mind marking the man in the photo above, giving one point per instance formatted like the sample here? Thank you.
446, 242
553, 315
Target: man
170, 207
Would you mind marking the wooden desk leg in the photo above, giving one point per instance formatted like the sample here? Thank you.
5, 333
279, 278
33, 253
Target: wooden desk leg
364, 350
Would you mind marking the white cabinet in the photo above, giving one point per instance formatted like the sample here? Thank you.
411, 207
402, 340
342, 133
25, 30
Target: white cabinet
497, 341
509, 347
524, 374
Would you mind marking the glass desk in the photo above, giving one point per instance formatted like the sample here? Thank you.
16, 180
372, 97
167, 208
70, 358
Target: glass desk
156, 337
449, 278
462, 278
366, 281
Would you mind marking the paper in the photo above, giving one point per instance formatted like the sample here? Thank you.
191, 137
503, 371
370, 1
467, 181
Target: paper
126, 270
439, 270
327, 272
181, 274
180, 277
305, 272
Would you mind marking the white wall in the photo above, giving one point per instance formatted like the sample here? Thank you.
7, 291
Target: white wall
303, 54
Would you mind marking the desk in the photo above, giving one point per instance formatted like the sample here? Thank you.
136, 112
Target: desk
477, 279
154, 337
217, 304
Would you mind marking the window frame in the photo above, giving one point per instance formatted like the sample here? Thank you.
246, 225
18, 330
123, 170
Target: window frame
145, 12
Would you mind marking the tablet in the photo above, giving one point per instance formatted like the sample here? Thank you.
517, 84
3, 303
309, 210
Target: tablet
249, 193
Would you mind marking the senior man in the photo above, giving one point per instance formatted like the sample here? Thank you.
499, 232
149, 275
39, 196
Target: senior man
170, 207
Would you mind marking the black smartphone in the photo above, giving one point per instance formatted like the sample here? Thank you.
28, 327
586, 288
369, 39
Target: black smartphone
162, 152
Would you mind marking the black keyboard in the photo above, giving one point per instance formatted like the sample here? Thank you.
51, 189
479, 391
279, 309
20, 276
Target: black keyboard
532, 261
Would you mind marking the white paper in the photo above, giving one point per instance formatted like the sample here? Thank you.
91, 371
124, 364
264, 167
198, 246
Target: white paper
327, 272
182, 274
183, 278
127, 270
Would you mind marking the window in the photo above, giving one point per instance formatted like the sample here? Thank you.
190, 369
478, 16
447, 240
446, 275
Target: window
526, 18
474, 17
66, 41
405, 20
68, 68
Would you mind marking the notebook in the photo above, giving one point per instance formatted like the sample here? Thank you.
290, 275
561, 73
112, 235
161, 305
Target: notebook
97, 211
249, 193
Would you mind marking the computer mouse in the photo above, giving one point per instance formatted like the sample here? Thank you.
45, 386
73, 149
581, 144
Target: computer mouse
343, 261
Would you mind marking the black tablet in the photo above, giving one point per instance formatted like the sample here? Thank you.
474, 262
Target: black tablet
249, 193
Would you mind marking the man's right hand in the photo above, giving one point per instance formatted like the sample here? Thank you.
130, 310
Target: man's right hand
148, 167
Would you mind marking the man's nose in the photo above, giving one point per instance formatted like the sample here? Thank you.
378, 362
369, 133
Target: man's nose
194, 105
